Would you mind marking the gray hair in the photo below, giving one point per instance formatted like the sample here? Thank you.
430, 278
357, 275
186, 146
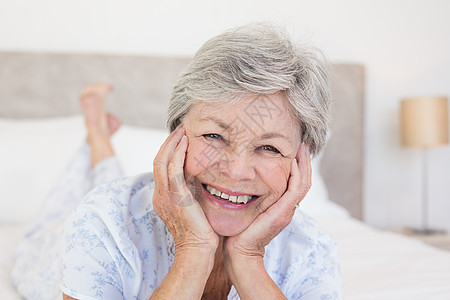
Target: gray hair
258, 59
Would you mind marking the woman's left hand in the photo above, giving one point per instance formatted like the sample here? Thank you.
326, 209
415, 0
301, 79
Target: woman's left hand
244, 253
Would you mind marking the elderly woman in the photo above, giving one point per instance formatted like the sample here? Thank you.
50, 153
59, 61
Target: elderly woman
217, 218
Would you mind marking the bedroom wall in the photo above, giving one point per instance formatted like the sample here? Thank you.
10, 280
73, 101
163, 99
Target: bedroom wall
404, 45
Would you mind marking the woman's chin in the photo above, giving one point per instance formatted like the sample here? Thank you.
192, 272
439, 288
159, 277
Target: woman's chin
225, 228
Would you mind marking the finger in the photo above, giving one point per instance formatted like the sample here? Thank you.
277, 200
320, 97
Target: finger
165, 152
164, 155
306, 168
177, 184
171, 142
303, 184
180, 193
293, 193
298, 184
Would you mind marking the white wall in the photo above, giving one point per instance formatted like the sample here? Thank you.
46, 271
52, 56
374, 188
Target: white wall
405, 46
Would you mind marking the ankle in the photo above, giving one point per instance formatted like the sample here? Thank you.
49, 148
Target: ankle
101, 148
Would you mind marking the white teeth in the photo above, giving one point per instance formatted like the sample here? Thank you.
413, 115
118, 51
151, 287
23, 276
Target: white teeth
234, 199
242, 199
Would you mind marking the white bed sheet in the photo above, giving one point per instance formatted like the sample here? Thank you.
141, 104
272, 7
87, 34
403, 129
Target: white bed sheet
10, 236
378, 265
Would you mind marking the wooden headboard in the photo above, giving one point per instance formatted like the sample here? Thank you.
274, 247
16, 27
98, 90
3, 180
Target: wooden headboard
38, 85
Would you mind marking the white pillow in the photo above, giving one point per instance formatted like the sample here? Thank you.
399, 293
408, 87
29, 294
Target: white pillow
317, 201
32, 156
136, 147
35, 152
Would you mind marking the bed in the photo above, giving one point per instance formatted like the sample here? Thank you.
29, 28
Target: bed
41, 128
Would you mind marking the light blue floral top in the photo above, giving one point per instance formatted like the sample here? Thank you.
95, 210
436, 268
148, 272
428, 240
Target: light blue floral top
115, 247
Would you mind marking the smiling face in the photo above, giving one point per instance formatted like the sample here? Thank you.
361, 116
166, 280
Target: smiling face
239, 156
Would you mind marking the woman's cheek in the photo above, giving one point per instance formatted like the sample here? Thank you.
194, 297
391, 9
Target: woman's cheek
275, 173
199, 157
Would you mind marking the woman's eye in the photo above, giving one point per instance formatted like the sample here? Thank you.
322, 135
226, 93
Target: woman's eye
212, 136
270, 148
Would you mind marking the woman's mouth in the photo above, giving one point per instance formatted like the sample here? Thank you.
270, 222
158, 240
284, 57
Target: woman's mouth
235, 199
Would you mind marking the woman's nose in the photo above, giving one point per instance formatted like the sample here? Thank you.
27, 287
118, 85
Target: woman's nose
238, 166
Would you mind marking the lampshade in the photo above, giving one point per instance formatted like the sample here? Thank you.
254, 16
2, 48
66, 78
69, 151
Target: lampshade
424, 121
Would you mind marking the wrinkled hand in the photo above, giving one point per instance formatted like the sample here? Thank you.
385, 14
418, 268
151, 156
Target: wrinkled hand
267, 225
174, 203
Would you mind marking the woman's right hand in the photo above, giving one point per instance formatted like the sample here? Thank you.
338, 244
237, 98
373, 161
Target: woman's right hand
174, 203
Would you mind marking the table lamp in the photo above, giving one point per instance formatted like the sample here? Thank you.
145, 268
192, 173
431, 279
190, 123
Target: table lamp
424, 123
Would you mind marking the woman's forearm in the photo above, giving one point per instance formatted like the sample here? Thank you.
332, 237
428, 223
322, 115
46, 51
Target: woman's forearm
250, 278
187, 277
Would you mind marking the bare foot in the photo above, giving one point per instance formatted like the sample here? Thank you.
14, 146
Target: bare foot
113, 123
100, 125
